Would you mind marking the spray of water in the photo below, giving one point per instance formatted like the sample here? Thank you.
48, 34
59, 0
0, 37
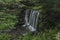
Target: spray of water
31, 19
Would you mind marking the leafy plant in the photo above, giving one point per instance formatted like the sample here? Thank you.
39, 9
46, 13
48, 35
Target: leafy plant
7, 20
5, 37
47, 35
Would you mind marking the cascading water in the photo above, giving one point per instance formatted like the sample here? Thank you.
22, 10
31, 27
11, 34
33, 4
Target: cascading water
31, 18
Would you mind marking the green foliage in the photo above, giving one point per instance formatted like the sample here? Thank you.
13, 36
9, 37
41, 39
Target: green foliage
6, 1
47, 35
5, 37
7, 20
49, 18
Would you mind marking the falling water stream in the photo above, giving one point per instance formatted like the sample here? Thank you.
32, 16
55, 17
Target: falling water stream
31, 19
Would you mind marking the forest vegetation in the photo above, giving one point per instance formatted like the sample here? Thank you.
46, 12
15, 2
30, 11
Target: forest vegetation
11, 19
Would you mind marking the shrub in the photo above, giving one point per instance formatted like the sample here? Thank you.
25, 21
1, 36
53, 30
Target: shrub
5, 37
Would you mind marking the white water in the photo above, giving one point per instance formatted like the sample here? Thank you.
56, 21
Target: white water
31, 19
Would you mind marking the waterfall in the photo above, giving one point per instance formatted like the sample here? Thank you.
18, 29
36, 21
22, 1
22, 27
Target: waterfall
31, 19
